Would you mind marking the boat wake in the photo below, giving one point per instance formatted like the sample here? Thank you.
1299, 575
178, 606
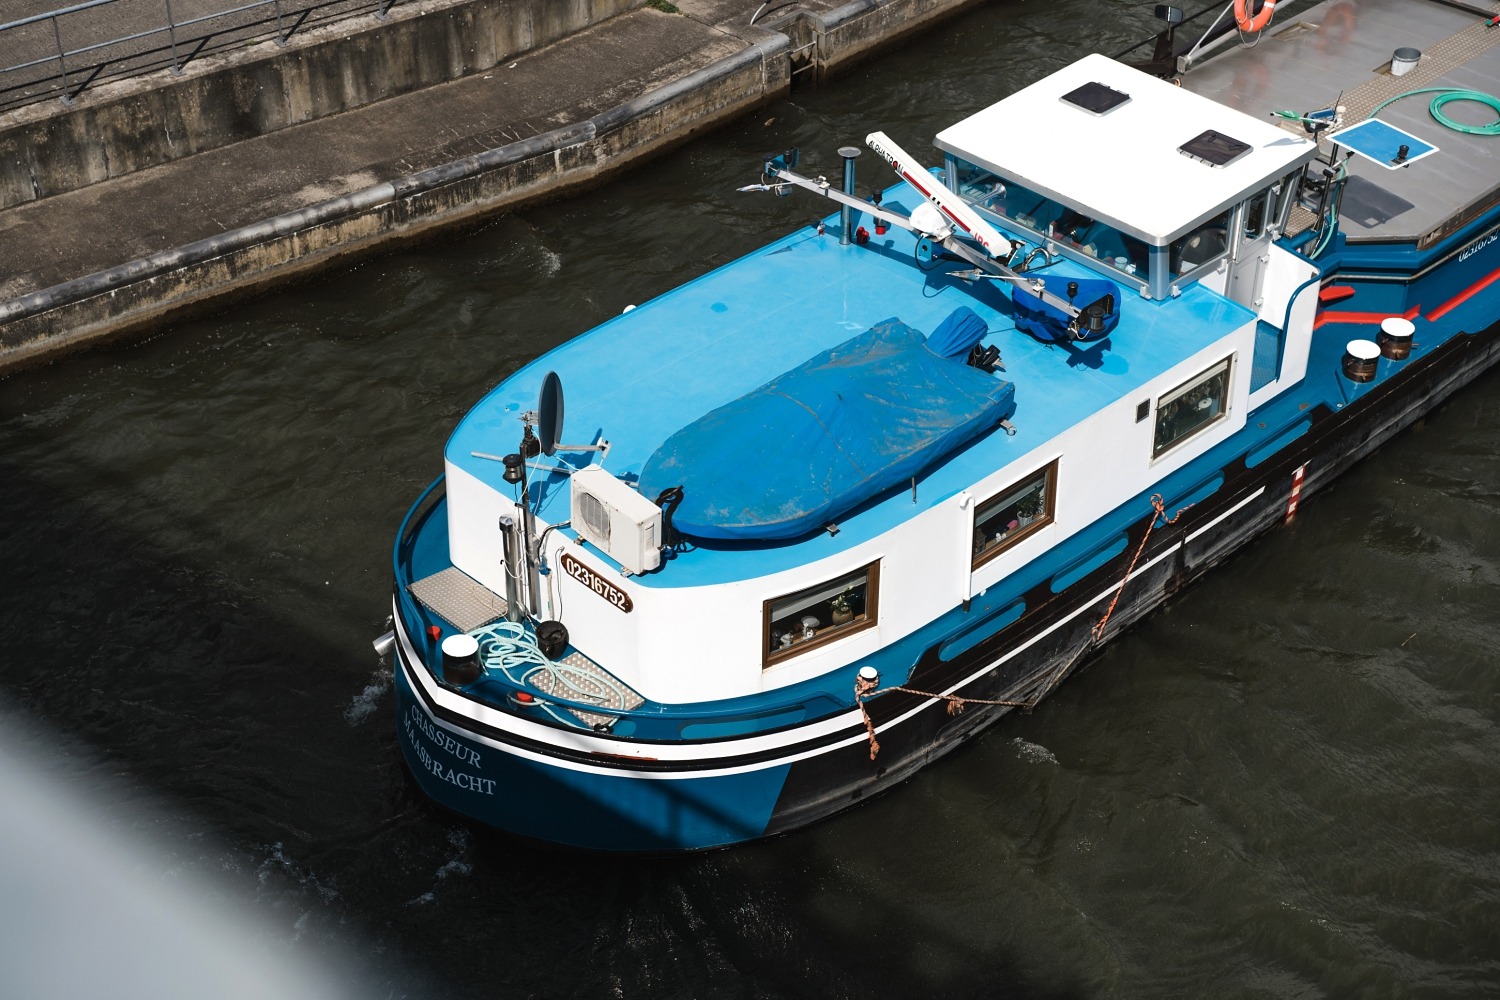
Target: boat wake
1033, 752
458, 841
363, 705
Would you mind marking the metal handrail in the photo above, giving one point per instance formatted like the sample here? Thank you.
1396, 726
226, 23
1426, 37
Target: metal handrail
66, 90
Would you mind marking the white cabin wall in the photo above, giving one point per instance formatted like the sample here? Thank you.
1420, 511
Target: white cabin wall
1286, 272
474, 542
1106, 458
609, 636
1216, 280
918, 582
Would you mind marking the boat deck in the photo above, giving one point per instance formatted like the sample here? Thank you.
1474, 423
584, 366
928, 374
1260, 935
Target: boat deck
1340, 52
643, 375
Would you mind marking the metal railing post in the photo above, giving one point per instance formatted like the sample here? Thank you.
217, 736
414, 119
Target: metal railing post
172, 37
280, 34
62, 64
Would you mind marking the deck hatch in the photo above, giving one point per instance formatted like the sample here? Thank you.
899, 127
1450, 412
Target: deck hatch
1096, 98
1214, 148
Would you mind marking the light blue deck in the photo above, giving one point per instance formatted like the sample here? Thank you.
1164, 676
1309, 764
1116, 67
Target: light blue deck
645, 374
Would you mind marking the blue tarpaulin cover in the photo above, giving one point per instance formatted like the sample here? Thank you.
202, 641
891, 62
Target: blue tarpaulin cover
819, 440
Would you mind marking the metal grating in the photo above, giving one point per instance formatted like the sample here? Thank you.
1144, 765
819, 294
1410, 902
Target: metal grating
596, 685
458, 599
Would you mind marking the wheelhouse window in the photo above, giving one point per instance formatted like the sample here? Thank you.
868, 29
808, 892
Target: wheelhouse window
1012, 514
1203, 246
1050, 219
1191, 407
817, 615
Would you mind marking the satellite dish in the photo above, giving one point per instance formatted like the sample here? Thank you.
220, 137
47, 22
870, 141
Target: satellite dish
549, 408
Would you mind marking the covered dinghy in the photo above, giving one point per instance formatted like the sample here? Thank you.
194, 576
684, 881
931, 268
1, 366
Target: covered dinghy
820, 439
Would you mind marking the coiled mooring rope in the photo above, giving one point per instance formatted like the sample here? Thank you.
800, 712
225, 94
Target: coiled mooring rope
511, 650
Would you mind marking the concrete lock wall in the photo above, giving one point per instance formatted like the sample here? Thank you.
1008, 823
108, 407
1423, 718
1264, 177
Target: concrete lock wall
137, 296
144, 294
224, 98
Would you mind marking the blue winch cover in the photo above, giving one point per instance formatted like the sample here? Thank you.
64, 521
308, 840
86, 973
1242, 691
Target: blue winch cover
1047, 323
822, 438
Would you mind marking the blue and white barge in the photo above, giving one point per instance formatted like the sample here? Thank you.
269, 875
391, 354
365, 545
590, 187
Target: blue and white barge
809, 521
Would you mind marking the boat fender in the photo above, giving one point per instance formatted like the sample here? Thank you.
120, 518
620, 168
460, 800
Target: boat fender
552, 638
1253, 22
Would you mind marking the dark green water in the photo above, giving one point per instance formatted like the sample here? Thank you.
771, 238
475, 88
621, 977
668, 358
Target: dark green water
1286, 785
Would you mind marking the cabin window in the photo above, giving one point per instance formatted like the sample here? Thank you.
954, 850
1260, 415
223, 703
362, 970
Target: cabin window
1048, 219
817, 615
1192, 406
1012, 514
1204, 245
1257, 215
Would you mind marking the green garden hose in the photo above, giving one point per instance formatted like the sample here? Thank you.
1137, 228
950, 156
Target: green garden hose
1447, 94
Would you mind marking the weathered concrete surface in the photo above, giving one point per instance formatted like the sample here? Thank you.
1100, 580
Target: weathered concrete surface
130, 253
119, 128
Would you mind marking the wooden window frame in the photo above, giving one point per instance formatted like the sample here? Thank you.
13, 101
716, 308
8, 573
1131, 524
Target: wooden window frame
771, 657
1013, 536
1224, 368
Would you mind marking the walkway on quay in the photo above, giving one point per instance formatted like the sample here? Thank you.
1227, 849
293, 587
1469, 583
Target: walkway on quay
132, 252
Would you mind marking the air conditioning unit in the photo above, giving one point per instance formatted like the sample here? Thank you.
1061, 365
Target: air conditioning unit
617, 520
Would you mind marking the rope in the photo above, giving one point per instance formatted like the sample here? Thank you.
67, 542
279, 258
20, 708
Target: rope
864, 689
511, 650
1157, 504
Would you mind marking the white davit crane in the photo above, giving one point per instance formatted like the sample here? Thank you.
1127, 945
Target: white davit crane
954, 209
943, 218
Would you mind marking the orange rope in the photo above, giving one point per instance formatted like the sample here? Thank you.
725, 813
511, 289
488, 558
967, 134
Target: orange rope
1097, 632
956, 705
864, 689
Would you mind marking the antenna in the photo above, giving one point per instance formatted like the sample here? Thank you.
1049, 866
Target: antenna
549, 409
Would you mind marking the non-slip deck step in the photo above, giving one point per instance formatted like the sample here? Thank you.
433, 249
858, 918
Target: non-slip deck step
458, 599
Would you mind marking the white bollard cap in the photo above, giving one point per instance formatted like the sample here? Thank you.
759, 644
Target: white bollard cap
1396, 326
460, 646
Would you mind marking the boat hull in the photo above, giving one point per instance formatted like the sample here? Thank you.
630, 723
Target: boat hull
605, 793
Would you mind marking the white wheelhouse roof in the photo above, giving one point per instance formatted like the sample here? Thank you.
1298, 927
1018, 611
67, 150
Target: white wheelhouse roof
1124, 167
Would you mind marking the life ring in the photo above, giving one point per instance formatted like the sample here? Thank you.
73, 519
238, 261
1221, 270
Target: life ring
1262, 18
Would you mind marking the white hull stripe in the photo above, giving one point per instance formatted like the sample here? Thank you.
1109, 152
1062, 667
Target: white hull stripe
583, 742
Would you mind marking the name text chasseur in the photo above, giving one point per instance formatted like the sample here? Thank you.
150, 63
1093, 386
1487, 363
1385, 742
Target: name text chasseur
417, 722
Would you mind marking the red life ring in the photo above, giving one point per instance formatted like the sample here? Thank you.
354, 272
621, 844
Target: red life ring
1247, 23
